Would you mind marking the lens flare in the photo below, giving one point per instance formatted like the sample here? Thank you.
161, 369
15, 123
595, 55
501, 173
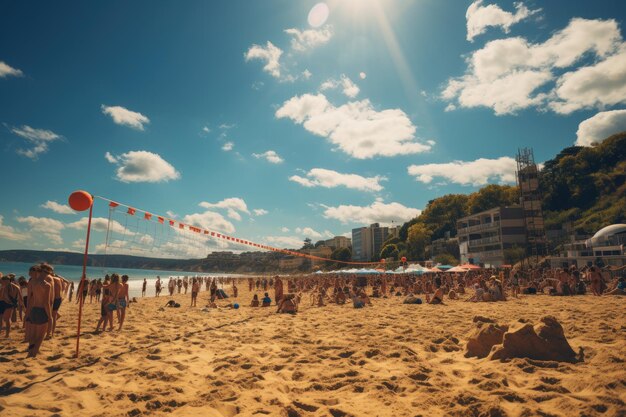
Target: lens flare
318, 15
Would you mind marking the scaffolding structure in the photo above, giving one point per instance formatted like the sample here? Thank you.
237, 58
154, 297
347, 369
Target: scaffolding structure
530, 200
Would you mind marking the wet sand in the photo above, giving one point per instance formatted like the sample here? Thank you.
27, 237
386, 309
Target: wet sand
387, 360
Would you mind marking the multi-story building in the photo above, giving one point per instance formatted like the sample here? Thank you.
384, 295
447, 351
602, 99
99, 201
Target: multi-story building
320, 252
606, 247
338, 242
445, 245
367, 242
484, 237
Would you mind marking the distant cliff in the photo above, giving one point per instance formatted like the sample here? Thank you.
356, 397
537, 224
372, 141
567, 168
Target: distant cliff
247, 262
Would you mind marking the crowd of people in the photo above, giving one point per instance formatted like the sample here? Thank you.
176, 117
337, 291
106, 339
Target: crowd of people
37, 301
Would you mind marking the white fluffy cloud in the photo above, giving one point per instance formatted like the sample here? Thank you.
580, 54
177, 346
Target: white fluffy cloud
284, 229
7, 70
38, 140
9, 233
319, 177
478, 172
269, 156
356, 128
511, 74
594, 86
362, 75
58, 208
270, 54
233, 203
292, 242
142, 166
599, 127
209, 220
260, 212
308, 232
228, 146
302, 40
377, 212
480, 17
123, 116
46, 226
233, 214
100, 224
348, 87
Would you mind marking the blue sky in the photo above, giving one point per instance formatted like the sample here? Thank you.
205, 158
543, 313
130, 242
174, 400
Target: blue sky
321, 121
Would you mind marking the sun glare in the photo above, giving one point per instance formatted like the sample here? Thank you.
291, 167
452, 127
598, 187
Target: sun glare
318, 15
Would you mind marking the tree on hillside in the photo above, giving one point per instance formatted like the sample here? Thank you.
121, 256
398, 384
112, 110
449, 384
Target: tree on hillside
446, 259
441, 214
342, 254
491, 196
417, 240
307, 244
390, 251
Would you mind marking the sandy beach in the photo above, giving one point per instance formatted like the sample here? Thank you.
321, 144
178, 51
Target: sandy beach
387, 360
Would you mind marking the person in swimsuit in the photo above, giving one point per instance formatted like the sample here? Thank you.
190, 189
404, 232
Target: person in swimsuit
10, 299
122, 301
437, 297
58, 285
106, 315
255, 301
143, 287
278, 289
21, 282
195, 289
267, 301
288, 304
158, 287
71, 291
39, 311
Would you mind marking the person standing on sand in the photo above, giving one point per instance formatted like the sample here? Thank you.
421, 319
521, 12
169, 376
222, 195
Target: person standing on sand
115, 288
158, 287
10, 299
39, 311
235, 290
71, 291
278, 289
143, 287
195, 289
123, 300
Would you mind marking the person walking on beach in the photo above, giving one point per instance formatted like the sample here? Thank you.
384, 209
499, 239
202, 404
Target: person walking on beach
39, 311
143, 287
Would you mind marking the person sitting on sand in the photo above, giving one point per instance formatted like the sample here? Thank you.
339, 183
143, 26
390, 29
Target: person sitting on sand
267, 301
452, 295
288, 304
620, 288
412, 299
437, 297
255, 301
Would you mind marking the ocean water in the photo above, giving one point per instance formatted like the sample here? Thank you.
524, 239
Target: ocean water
136, 276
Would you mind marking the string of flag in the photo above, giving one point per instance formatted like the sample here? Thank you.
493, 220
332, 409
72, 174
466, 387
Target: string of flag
148, 216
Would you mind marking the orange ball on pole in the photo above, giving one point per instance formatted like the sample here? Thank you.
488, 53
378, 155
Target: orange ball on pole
80, 200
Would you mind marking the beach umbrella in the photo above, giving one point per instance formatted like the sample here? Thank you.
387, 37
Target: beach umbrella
444, 267
457, 269
435, 269
470, 266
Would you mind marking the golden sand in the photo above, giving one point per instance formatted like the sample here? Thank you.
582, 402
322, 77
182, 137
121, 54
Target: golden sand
387, 360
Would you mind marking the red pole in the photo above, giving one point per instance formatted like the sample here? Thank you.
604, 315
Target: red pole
82, 281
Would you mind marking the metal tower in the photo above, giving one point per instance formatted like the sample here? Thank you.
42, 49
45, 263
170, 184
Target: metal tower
530, 199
